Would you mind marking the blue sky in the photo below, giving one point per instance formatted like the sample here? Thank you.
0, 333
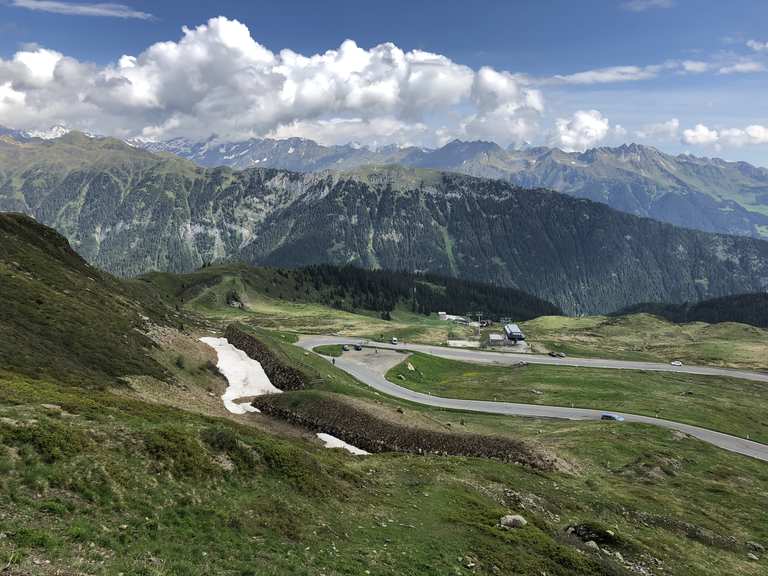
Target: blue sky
683, 75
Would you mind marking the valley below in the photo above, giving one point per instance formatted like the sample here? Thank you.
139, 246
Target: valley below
124, 448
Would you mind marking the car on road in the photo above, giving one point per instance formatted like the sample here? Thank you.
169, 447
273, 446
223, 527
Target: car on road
612, 417
345, 347
557, 354
358, 347
676, 363
394, 340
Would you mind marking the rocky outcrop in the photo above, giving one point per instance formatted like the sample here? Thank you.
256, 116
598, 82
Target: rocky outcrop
330, 413
512, 521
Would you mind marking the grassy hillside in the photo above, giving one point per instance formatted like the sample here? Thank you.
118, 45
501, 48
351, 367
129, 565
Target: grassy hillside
61, 318
272, 298
743, 308
117, 457
353, 289
646, 337
104, 485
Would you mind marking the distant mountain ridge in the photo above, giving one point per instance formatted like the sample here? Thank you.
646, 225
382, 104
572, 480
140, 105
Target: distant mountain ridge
130, 211
707, 194
701, 193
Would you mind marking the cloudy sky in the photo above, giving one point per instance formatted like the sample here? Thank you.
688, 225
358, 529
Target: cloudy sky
682, 75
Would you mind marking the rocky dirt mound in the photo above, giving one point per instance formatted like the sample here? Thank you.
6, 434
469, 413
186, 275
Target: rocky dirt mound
326, 412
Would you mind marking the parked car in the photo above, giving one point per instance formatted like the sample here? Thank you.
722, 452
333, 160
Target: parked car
358, 347
612, 417
345, 347
553, 354
394, 340
676, 363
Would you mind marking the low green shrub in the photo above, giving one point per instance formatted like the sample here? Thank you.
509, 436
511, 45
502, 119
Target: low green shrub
174, 449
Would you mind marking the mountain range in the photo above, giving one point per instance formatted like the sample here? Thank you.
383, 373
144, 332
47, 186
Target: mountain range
706, 194
129, 211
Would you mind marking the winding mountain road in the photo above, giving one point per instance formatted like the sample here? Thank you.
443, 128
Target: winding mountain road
374, 377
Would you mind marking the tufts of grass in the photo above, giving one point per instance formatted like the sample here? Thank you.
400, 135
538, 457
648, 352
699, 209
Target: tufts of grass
173, 449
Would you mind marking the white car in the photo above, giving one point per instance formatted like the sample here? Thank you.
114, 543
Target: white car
676, 363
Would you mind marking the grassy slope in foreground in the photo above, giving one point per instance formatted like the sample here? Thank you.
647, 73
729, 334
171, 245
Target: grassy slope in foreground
646, 337
96, 482
103, 484
728, 405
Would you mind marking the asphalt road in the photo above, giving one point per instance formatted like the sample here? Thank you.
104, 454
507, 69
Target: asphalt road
501, 358
376, 380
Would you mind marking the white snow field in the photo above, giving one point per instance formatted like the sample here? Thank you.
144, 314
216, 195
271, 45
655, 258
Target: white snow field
333, 442
245, 376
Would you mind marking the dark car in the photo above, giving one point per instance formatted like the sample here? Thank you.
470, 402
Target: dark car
358, 347
612, 417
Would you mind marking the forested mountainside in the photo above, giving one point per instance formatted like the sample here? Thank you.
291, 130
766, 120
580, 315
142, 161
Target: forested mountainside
702, 193
356, 290
744, 308
130, 211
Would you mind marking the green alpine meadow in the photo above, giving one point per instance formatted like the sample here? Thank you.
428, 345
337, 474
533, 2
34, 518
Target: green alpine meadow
347, 288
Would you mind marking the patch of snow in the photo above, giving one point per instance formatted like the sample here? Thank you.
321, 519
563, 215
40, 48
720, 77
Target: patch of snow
50, 133
246, 377
333, 442
290, 150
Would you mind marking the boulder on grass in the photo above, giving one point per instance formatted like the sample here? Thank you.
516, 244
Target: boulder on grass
512, 521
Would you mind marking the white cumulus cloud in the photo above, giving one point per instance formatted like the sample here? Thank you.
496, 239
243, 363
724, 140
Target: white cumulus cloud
583, 130
700, 135
754, 134
662, 130
218, 79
